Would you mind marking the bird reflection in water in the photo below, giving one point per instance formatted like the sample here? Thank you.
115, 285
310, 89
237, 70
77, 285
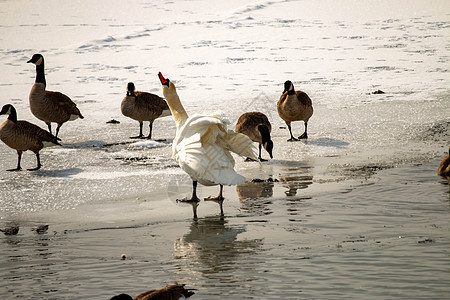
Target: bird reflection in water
212, 246
254, 197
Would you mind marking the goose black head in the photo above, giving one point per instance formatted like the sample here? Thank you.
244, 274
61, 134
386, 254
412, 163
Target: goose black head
164, 81
288, 86
7, 109
266, 141
130, 89
37, 59
268, 145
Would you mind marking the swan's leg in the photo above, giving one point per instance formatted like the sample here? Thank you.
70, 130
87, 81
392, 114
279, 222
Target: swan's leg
219, 199
194, 199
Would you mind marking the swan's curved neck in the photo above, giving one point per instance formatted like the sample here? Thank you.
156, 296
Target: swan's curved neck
175, 106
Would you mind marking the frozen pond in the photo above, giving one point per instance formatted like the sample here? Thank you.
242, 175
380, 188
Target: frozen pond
356, 210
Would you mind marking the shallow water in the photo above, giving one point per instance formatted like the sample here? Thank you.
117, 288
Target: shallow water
356, 210
388, 239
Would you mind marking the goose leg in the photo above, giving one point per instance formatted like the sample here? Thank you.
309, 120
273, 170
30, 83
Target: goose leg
57, 129
140, 136
305, 134
151, 128
260, 158
38, 163
219, 199
290, 132
49, 125
19, 158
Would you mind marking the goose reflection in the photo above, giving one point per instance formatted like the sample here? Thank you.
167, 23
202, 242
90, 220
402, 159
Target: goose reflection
212, 246
254, 197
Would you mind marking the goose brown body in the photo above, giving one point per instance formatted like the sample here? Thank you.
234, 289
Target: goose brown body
50, 106
294, 106
143, 106
248, 124
23, 135
170, 292
257, 127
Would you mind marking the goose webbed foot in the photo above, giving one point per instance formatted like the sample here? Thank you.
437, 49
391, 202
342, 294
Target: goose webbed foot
303, 136
137, 137
292, 139
248, 159
35, 169
262, 159
14, 170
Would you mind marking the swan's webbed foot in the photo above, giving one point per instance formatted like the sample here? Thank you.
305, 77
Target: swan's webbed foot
189, 200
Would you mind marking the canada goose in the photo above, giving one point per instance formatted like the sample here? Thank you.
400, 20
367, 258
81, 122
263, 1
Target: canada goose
294, 106
50, 106
202, 147
142, 106
23, 136
257, 127
444, 166
170, 292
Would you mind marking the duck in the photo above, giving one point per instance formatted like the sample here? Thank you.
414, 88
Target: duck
143, 106
257, 127
170, 292
202, 147
294, 106
23, 136
444, 166
49, 106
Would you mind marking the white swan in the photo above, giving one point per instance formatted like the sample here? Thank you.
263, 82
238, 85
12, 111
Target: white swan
202, 147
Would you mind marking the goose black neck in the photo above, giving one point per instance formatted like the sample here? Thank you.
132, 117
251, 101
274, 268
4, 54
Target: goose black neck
40, 74
265, 133
291, 91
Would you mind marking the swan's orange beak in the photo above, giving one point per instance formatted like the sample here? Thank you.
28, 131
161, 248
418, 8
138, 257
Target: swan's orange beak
164, 81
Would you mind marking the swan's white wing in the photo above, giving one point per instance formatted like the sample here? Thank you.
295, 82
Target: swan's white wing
202, 149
